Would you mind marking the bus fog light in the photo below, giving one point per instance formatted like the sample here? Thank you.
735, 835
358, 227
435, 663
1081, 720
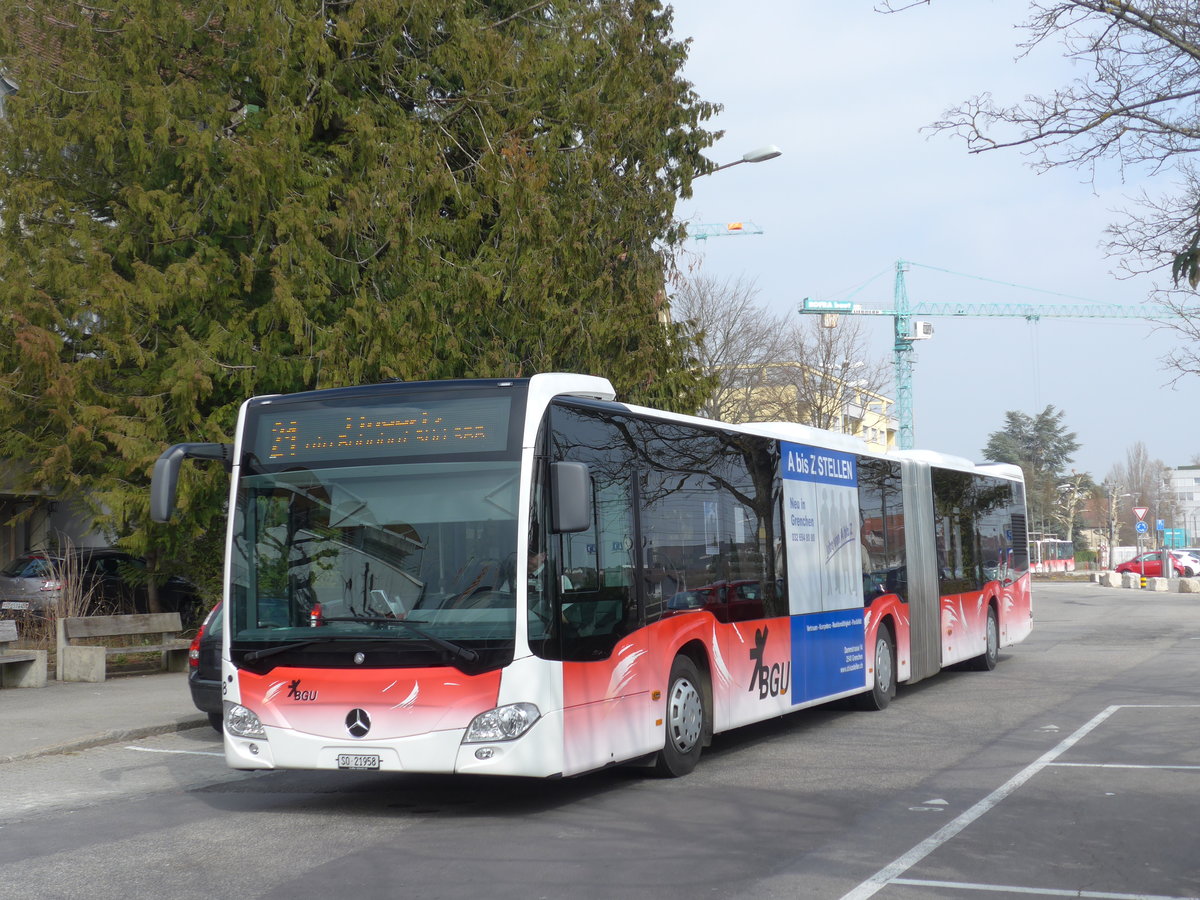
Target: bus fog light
504, 723
242, 722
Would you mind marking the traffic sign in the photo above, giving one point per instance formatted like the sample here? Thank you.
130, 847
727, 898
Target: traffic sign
1140, 512
1141, 527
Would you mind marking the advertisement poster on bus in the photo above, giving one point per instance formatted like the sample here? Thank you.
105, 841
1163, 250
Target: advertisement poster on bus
824, 569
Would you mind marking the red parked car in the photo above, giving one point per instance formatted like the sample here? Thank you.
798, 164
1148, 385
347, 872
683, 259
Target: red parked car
1150, 565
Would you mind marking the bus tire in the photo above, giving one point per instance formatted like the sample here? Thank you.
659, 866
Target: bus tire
883, 687
986, 661
685, 720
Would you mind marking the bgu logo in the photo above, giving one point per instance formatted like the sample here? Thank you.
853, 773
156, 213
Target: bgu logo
771, 680
294, 692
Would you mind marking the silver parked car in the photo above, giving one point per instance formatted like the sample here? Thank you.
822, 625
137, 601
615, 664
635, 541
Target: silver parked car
110, 578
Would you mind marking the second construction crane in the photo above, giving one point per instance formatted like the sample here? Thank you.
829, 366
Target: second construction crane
910, 328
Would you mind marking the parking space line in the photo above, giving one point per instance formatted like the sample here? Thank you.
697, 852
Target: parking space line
1062, 765
893, 870
1037, 892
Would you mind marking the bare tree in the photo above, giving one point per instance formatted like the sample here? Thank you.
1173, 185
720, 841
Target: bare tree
1134, 104
772, 368
739, 340
1071, 492
828, 380
1144, 482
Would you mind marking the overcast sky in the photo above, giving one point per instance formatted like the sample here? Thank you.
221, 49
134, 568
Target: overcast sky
844, 92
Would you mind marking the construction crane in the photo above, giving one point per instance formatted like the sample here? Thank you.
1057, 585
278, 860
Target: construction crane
704, 232
910, 327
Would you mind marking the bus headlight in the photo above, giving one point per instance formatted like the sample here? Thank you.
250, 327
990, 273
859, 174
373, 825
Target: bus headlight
242, 722
504, 723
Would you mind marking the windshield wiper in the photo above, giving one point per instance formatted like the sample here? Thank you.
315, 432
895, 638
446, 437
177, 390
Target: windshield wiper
264, 652
456, 651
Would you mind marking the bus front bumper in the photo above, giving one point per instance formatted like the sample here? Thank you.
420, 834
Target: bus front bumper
537, 753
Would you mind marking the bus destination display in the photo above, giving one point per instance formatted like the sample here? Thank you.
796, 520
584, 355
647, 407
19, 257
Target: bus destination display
294, 433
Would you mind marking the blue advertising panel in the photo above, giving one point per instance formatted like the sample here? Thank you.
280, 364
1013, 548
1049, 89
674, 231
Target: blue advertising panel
824, 571
828, 654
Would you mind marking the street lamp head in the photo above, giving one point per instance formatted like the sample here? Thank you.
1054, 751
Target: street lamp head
762, 154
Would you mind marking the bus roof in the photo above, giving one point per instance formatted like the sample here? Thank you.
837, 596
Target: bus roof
962, 464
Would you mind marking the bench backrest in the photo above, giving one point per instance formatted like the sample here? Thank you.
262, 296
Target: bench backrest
8, 631
109, 626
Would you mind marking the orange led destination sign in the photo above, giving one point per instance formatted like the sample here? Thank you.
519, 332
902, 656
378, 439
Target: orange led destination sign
300, 434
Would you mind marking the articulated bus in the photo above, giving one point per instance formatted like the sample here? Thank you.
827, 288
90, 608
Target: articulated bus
524, 577
1050, 554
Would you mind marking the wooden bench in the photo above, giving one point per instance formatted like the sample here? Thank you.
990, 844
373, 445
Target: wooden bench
78, 662
19, 668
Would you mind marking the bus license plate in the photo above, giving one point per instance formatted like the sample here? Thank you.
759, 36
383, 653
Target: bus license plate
357, 761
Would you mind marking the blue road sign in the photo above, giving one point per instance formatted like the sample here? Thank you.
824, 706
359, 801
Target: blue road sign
1141, 527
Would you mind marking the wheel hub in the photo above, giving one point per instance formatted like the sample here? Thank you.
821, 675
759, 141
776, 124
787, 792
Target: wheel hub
883, 666
685, 715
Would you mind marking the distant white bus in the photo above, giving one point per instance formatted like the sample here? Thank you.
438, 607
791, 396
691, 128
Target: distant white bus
1050, 554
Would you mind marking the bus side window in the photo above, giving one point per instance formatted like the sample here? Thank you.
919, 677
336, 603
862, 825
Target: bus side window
881, 536
594, 593
595, 617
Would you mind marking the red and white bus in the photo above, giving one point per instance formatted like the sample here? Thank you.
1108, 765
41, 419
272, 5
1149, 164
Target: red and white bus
500, 577
1050, 554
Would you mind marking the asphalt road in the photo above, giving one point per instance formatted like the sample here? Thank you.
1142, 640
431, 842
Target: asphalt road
1071, 770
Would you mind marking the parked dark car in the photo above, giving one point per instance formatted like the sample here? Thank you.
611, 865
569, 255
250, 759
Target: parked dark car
112, 581
204, 667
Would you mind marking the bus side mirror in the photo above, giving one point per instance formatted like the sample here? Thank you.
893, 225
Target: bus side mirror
571, 493
166, 474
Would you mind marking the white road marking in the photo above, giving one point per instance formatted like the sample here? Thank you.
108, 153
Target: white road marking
1039, 892
1062, 765
893, 870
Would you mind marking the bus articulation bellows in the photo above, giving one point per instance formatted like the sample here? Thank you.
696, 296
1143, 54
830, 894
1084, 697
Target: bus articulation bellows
524, 577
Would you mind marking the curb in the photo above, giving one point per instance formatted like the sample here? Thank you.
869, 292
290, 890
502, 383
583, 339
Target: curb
107, 737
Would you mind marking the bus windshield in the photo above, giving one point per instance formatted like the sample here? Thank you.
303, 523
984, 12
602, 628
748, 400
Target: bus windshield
397, 563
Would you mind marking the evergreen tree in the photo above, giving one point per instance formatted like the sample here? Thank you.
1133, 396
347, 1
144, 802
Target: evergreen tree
1043, 448
206, 202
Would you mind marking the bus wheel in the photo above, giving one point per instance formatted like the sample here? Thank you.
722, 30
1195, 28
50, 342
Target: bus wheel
884, 687
987, 660
685, 720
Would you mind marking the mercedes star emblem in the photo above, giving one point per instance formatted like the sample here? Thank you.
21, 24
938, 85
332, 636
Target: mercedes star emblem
358, 723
